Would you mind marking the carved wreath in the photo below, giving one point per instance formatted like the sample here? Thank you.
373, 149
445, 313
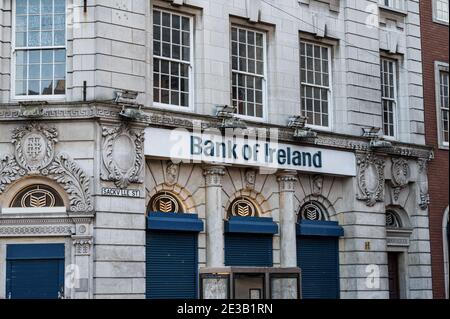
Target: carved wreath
121, 175
371, 179
400, 175
60, 168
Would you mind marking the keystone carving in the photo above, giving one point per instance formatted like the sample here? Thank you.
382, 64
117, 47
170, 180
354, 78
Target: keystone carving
371, 179
122, 156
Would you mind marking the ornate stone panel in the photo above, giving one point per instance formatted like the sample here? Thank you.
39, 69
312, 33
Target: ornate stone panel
123, 156
401, 174
370, 178
34, 146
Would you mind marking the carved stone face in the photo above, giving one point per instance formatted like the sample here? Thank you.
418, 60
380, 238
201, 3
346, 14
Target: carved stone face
250, 176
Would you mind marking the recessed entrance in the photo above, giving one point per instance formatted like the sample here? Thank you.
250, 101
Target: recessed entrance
394, 275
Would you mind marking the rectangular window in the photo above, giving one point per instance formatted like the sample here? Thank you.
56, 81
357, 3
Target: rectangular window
394, 4
315, 70
443, 103
440, 10
389, 96
172, 59
248, 71
40, 48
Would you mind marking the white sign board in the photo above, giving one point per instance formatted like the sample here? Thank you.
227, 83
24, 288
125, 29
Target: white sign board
196, 147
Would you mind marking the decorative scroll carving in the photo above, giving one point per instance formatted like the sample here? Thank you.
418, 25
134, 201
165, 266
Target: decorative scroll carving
401, 174
75, 182
35, 154
123, 156
370, 179
21, 231
9, 172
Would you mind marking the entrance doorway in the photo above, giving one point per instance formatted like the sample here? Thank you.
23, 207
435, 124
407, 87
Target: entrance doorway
394, 275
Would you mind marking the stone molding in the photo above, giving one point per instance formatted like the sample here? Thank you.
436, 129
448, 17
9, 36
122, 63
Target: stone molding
370, 178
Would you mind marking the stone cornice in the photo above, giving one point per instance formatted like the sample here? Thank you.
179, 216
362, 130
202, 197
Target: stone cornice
109, 112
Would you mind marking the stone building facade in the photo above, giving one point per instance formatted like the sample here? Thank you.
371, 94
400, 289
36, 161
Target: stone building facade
91, 92
434, 21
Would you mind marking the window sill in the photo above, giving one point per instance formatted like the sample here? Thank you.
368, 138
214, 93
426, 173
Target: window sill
393, 10
443, 147
174, 108
39, 98
442, 22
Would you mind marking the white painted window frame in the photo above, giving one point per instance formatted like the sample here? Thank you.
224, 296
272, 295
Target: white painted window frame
396, 5
257, 119
60, 97
435, 16
438, 68
330, 126
396, 100
170, 107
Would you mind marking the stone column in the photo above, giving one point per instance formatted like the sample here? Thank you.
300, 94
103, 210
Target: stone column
288, 220
215, 255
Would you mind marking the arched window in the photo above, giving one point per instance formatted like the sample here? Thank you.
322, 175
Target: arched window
37, 196
242, 207
393, 220
313, 211
165, 203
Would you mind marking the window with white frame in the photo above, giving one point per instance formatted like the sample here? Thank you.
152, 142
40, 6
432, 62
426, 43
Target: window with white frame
443, 106
315, 70
389, 96
394, 4
39, 48
440, 10
172, 59
248, 71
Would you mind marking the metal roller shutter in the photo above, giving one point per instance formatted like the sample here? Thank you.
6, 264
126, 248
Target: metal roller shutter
318, 257
248, 250
172, 265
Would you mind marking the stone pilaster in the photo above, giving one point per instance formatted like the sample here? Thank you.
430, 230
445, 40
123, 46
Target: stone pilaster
288, 219
215, 256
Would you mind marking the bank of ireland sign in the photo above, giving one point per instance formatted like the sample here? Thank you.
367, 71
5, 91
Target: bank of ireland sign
197, 147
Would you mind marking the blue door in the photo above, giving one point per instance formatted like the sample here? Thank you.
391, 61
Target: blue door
34, 271
318, 258
172, 256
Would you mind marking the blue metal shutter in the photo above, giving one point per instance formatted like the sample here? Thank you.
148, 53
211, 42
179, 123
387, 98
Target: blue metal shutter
172, 265
248, 250
318, 257
34, 271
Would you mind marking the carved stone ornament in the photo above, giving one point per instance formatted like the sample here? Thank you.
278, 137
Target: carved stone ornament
82, 246
370, 179
34, 147
286, 182
317, 183
172, 172
250, 179
213, 176
123, 156
401, 174
423, 184
35, 155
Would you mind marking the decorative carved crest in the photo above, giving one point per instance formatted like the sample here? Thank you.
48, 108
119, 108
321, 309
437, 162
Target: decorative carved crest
243, 208
35, 154
317, 185
401, 174
370, 179
123, 156
34, 147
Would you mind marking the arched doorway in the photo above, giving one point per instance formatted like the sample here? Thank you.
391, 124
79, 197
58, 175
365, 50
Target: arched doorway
171, 249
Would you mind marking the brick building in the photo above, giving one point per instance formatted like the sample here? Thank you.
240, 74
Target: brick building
434, 26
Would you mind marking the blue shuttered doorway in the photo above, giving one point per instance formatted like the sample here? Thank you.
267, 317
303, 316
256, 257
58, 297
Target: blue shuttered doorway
172, 256
318, 257
34, 271
248, 250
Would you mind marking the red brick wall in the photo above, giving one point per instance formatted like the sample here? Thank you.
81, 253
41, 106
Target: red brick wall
435, 48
